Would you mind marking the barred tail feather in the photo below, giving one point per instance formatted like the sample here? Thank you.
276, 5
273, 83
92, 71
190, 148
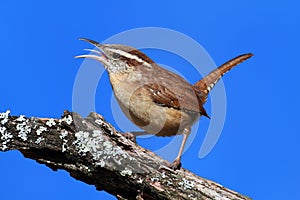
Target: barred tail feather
207, 83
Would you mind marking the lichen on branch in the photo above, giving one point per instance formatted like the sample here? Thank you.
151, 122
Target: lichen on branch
92, 151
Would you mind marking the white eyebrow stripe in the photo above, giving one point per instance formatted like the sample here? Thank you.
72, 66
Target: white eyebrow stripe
131, 56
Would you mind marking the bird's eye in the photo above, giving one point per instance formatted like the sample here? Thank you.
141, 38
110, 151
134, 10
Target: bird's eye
115, 55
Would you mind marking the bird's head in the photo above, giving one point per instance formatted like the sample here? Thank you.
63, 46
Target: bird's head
117, 57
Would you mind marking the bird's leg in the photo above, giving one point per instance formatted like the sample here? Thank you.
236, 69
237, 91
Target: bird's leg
132, 135
176, 163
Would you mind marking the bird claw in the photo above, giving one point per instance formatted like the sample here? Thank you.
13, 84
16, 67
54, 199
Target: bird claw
175, 165
130, 136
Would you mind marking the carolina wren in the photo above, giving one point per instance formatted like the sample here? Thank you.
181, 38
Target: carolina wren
155, 99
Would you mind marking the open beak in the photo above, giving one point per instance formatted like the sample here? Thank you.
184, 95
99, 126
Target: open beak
99, 55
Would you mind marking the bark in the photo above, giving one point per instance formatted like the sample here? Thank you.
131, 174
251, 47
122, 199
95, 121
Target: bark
92, 151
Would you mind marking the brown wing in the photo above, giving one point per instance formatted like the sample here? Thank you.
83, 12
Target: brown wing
181, 97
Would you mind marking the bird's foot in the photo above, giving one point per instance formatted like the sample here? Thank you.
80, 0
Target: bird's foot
175, 165
130, 136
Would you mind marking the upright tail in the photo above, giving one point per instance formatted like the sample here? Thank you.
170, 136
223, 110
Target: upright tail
208, 82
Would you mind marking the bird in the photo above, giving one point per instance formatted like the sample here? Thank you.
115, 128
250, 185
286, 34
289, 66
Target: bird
155, 99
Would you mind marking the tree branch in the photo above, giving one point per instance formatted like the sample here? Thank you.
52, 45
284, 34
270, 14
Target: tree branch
92, 151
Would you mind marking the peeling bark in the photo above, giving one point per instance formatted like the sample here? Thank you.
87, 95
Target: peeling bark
92, 151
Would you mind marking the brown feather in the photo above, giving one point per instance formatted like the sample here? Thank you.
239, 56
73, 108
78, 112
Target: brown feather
168, 89
175, 92
205, 85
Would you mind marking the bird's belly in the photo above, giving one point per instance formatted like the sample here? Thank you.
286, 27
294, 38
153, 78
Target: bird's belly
149, 116
156, 119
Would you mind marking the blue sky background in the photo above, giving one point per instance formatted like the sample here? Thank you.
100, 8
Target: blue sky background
258, 151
